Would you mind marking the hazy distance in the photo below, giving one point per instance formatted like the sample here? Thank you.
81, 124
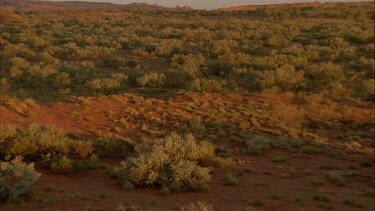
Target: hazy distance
210, 4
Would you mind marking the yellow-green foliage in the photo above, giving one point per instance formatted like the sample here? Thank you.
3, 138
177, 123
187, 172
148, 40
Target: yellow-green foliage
31, 103
83, 148
6, 132
175, 161
310, 50
152, 80
62, 165
38, 140
16, 178
206, 85
368, 88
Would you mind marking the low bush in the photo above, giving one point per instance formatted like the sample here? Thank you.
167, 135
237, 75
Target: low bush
206, 85
16, 179
39, 140
175, 162
7, 132
83, 148
85, 165
62, 165
152, 80
368, 88
113, 148
257, 145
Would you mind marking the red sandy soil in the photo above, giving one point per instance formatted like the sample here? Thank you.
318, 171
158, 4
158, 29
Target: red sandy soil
59, 113
82, 190
255, 7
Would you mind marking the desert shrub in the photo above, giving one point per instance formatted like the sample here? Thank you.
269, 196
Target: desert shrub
39, 140
190, 64
197, 126
368, 88
324, 74
206, 85
106, 85
19, 65
113, 148
287, 78
62, 165
220, 47
40, 72
120, 77
83, 148
16, 179
85, 165
217, 68
257, 145
176, 162
140, 53
115, 61
152, 80
199, 206
164, 191
7, 132
176, 78
62, 80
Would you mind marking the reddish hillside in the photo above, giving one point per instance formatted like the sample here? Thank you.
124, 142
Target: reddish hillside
313, 4
28, 5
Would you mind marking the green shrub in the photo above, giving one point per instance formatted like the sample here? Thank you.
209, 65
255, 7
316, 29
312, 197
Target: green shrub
16, 179
62, 165
176, 78
73, 135
257, 145
175, 162
113, 148
85, 165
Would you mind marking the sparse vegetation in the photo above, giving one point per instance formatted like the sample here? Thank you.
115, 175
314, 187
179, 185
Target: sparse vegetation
199, 206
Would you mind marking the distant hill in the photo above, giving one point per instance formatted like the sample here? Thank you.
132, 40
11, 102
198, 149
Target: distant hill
312, 4
30, 5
